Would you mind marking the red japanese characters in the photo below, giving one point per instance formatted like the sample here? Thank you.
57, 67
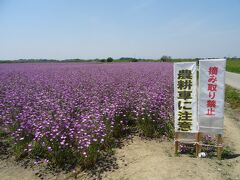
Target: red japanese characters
212, 90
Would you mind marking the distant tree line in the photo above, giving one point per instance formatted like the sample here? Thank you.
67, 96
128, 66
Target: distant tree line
164, 58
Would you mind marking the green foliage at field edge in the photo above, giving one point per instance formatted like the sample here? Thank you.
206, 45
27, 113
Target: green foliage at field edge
68, 158
232, 96
233, 65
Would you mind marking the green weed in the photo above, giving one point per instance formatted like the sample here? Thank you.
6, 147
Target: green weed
232, 96
233, 65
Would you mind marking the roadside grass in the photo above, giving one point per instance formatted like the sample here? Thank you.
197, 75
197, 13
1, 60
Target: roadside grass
233, 65
232, 96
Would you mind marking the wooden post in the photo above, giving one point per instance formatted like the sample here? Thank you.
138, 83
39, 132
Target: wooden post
200, 135
176, 142
198, 146
219, 148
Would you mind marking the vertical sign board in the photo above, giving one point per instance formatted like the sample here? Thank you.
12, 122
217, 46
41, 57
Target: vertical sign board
211, 95
185, 101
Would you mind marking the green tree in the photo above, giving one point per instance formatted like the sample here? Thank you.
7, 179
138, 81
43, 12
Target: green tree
165, 58
134, 60
109, 59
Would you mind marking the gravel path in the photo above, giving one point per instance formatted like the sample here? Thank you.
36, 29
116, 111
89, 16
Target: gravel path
233, 79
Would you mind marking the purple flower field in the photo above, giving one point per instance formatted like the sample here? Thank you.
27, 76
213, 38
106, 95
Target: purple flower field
59, 111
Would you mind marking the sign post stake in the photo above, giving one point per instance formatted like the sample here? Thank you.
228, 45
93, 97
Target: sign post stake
200, 141
219, 146
176, 142
198, 145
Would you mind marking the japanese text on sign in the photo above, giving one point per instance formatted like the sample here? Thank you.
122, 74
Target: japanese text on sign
211, 95
185, 101
212, 90
184, 85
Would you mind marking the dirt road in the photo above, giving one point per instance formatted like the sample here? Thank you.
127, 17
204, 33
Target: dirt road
153, 160
233, 79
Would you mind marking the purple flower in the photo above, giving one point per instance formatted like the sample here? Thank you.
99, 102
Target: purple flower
49, 149
68, 105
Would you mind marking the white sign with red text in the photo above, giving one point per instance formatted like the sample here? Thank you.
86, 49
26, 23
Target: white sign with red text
211, 95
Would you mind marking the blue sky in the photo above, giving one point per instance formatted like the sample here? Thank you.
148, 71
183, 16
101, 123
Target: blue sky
61, 29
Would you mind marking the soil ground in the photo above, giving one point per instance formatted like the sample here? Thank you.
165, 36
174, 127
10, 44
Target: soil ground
143, 159
232, 79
